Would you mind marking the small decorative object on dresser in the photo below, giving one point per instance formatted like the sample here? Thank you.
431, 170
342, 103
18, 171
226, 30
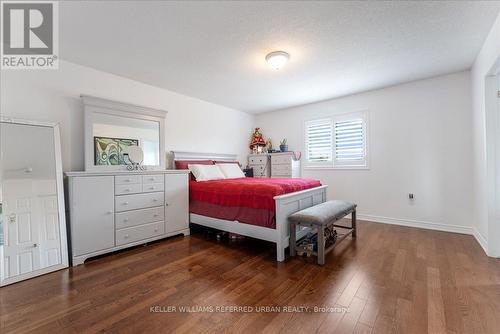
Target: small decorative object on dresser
269, 146
257, 143
284, 145
135, 157
261, 165
112, 210
285, 164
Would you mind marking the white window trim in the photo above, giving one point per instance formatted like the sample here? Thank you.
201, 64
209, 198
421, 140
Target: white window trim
332, 165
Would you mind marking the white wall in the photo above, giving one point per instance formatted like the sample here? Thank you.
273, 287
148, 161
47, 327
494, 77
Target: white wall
420, 142
53, 95
485, 129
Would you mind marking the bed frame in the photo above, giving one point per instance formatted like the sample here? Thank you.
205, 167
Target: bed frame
285, 206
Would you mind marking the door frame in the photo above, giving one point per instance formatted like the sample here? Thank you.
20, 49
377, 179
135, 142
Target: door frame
60, 203
490, 242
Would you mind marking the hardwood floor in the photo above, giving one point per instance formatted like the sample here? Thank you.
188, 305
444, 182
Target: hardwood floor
391, 280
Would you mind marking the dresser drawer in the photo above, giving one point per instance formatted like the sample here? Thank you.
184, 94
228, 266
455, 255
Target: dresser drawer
125, 189
259, 170
146, 179
254, 160
138, 201
141, 232
128, 179
139, 217
281, 169
151, 187
281, 159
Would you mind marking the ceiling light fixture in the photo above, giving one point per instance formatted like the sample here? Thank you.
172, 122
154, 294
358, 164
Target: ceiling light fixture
277, 59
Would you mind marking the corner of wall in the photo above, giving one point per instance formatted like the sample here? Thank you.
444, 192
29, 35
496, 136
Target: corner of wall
483, 242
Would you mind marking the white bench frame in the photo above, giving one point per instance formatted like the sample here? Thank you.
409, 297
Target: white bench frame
285, 206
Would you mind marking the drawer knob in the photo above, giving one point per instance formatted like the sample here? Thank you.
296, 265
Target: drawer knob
125, 203
155, 200
109, 212
126, 236
127, 190
166, 204
151, 179
155, 215
127, 180
156, 230
125, 220
151, 188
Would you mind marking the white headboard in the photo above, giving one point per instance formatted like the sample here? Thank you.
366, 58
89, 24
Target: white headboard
179, 155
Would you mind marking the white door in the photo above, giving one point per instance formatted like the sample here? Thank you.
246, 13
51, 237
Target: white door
49, 233
31, 223
176, 202
21, 249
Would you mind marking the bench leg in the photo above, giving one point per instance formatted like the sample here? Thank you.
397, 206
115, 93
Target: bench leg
321, 245
353, 222
293, 238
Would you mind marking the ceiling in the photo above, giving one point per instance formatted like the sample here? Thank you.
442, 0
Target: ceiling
215, 51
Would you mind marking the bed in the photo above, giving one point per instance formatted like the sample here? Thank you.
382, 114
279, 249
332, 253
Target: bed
257, 208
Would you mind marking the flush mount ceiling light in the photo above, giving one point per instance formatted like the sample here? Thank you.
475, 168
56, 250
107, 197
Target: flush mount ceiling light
277, 59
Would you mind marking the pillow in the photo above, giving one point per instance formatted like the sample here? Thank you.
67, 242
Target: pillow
206, 172
183, 164
231, 171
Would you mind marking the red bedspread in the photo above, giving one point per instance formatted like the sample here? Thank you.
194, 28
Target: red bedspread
247, 200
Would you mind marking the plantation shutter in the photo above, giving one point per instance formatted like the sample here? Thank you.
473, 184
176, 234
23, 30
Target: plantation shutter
349, 140
338, 142
319, 141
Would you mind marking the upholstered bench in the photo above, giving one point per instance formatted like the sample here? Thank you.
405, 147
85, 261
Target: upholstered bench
322, 218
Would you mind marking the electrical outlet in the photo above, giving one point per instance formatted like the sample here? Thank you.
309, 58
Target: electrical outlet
411, 196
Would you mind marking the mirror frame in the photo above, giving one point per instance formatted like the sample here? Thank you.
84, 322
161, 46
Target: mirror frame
60, 203
95, 105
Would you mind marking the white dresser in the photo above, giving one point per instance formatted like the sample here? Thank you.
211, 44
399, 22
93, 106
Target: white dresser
114, 210
284, 165
261, 164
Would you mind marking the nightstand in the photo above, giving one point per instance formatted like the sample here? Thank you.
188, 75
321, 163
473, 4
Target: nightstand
248, 172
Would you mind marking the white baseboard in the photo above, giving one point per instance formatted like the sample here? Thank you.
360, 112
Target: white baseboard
418, 224
480, 239
430, 226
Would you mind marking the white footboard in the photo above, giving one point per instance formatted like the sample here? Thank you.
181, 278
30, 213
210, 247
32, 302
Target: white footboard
285, 206
291, 203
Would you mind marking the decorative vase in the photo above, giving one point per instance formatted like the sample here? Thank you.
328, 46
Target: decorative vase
283, 148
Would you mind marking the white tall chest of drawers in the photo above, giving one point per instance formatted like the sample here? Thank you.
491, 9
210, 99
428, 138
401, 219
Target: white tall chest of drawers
114, 210
284, 164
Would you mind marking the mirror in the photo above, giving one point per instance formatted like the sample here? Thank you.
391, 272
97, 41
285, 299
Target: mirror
33, 234
117, 134
115, 137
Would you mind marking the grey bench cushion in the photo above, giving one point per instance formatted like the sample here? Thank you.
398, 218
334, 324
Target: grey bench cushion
323, 213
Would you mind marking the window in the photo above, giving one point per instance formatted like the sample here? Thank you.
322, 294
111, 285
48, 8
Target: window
337, 142
319, 142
